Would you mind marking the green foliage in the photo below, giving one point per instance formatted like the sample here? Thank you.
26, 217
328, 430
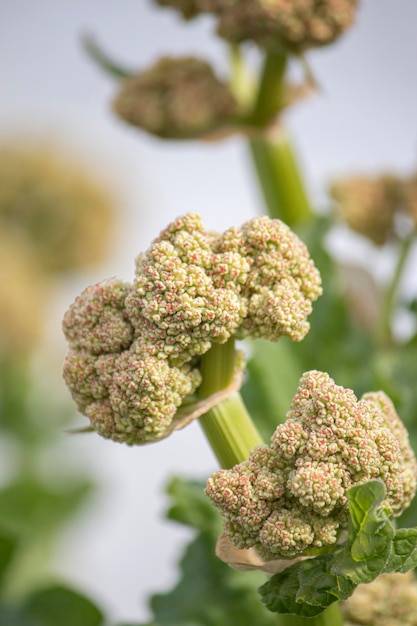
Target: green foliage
336, 343
29, 507
8, 546
274, 371
59, 605
367, 551
209, 592
373, 547
54, 606
191, 507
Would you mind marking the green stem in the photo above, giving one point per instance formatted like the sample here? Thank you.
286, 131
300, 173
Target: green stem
330, 617
103, 60
391, 294
270, 90
241, 82
228, 426
280, 179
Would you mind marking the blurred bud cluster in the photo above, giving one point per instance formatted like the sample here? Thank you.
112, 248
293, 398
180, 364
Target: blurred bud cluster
54, 218
378, 207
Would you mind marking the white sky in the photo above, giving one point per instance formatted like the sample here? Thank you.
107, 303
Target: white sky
364, 118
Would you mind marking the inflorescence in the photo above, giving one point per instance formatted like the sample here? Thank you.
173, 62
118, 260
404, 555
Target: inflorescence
294, 24
135, 348
291, 496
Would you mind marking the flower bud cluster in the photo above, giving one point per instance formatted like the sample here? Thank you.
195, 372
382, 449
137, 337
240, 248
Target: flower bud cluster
369, 205
187, 8
292, 24
389, 600
49, 205
292, 495
22, 297
378, 207
134, 348
177, 98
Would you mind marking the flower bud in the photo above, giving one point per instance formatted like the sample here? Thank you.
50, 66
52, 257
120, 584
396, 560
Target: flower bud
388, 600
57, 211
187, 8
177, 99
293, 24
369, 205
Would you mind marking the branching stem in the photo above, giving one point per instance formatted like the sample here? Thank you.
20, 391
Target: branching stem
228, 426
391, 294
280, 178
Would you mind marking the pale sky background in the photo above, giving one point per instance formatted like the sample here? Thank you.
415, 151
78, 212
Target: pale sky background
365, 118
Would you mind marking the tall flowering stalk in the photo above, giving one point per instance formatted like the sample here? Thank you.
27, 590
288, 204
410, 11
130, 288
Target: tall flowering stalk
316, 506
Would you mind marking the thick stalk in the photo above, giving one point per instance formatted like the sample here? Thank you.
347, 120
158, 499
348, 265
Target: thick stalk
228, 426
270, 90
330, 617
391, 294
241, 81
280, 178
285, 197
272, 154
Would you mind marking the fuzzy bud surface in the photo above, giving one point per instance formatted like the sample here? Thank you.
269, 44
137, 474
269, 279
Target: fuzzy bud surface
389, 600
291, 495
293, 24
369, 205
177, 98
135, 348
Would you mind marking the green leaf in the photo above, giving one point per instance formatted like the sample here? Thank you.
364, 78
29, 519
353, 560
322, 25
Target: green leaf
16, 616
32, 508
208, 592
366, 553
310, 586
279, 594
319, 585
190, 506
8, 546
306, 588
60, 606
403, 555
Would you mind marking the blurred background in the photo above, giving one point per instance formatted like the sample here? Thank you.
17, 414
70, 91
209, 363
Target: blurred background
90, 511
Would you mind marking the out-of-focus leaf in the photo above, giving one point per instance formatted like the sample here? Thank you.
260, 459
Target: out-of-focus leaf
60, 606
336, 343
8, 545
137, 624
15, 616
273, 374
190, 506
15, 386
31, 508
208, 593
